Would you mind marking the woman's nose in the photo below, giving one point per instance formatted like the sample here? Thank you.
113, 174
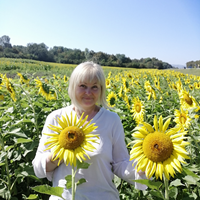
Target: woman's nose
88, 91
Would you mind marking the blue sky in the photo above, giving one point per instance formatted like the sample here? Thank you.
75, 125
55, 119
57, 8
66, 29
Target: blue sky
168, 30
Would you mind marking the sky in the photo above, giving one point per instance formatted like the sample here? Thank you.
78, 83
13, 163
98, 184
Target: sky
168, 30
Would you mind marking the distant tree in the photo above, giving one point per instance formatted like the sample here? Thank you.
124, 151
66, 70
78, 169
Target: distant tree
39, 52
5, 41
120, 57
87, 54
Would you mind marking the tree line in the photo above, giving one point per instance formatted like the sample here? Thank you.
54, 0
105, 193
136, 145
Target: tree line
65, 55
193, 64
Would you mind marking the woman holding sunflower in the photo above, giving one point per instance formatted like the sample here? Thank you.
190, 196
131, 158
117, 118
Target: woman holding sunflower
69, 136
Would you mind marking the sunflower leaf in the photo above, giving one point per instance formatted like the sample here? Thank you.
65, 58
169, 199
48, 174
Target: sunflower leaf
68, 178
82, 180
151, 184
82, 165
191, 180
176, 183
173, 192
46, 189
32, 196
190, 173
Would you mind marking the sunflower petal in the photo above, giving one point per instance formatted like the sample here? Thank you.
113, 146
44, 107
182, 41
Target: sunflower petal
155, 122
166, 124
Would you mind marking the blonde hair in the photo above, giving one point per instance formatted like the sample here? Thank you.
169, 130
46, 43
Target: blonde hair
87, 71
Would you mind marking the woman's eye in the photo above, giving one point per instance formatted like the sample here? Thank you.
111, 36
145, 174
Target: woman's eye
95, 87
82, 86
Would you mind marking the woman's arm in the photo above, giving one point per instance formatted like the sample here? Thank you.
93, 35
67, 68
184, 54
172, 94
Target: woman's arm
50, 164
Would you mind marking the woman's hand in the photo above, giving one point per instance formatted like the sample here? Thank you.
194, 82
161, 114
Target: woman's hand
50, 164
141, 173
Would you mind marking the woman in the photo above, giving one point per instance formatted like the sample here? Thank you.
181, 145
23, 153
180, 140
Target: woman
87, 91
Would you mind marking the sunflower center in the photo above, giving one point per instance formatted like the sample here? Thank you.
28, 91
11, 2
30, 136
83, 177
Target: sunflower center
187, 99
112, 101
45, 88
138, 108
182, 119
157, 146
71, 137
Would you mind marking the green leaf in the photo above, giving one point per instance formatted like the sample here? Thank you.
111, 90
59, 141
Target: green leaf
17, 134
149, 183
46, 189
1, 164
176, 183
191, 180
47, 109
156, 194
82, 165
82, 180
68, 178
117, 181
190, 173
173, 192
32, 196
22, 140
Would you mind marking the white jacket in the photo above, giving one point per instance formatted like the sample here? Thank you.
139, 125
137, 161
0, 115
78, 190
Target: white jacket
110, 157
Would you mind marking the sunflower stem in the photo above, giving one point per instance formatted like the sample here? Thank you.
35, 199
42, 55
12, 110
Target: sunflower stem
73, 183
31, 105
166, 182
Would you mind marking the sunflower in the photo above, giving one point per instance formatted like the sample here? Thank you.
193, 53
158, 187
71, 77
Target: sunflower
138, 109
65, 78
111, 99
23, 78
108, 84
127, 100
1, 80
45, 90
182, 118
197, 86
159, 151
73, 137
121, 92
10, 89
126, 85
150, 90
187, 101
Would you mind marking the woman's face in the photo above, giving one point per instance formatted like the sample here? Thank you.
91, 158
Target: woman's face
87, 94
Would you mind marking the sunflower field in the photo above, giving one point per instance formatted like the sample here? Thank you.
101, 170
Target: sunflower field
159, 110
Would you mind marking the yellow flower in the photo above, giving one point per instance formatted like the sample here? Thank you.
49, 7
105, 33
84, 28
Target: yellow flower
111, 99
187, 101
121, 94
45, 90
138, 109
197, 85
1, 79
108, 84
128, 102
196, 116
65, 78
158, 150
125, 85
191, 87
71, 139
150, 90
10, 89
54, 76
182, 118
23, 78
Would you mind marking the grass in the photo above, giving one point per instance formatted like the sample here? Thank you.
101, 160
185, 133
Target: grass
192, 71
